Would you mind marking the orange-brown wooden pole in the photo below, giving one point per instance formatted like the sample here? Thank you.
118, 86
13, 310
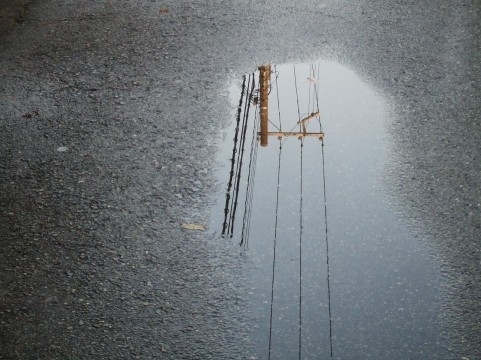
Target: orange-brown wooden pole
264, 77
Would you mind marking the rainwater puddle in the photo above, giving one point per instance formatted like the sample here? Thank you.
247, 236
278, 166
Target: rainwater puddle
332, 271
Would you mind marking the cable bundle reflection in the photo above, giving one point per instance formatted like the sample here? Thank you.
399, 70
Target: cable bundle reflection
253, 111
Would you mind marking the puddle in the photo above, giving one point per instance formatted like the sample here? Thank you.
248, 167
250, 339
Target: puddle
332, 271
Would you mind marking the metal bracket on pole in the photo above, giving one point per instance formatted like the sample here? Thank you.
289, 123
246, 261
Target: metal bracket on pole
264, 80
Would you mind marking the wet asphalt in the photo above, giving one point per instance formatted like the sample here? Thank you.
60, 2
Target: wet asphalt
110, 117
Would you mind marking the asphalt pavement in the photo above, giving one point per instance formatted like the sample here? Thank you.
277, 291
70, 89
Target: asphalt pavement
110, 113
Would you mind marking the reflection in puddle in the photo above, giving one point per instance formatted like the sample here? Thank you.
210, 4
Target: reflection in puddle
253, 112
364, 287
262, 127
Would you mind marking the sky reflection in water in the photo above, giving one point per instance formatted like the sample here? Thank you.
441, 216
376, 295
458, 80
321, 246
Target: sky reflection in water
384, 286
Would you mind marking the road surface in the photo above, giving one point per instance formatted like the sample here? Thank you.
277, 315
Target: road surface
110, 113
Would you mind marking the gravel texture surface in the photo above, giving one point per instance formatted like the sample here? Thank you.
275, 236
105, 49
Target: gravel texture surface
109, 118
